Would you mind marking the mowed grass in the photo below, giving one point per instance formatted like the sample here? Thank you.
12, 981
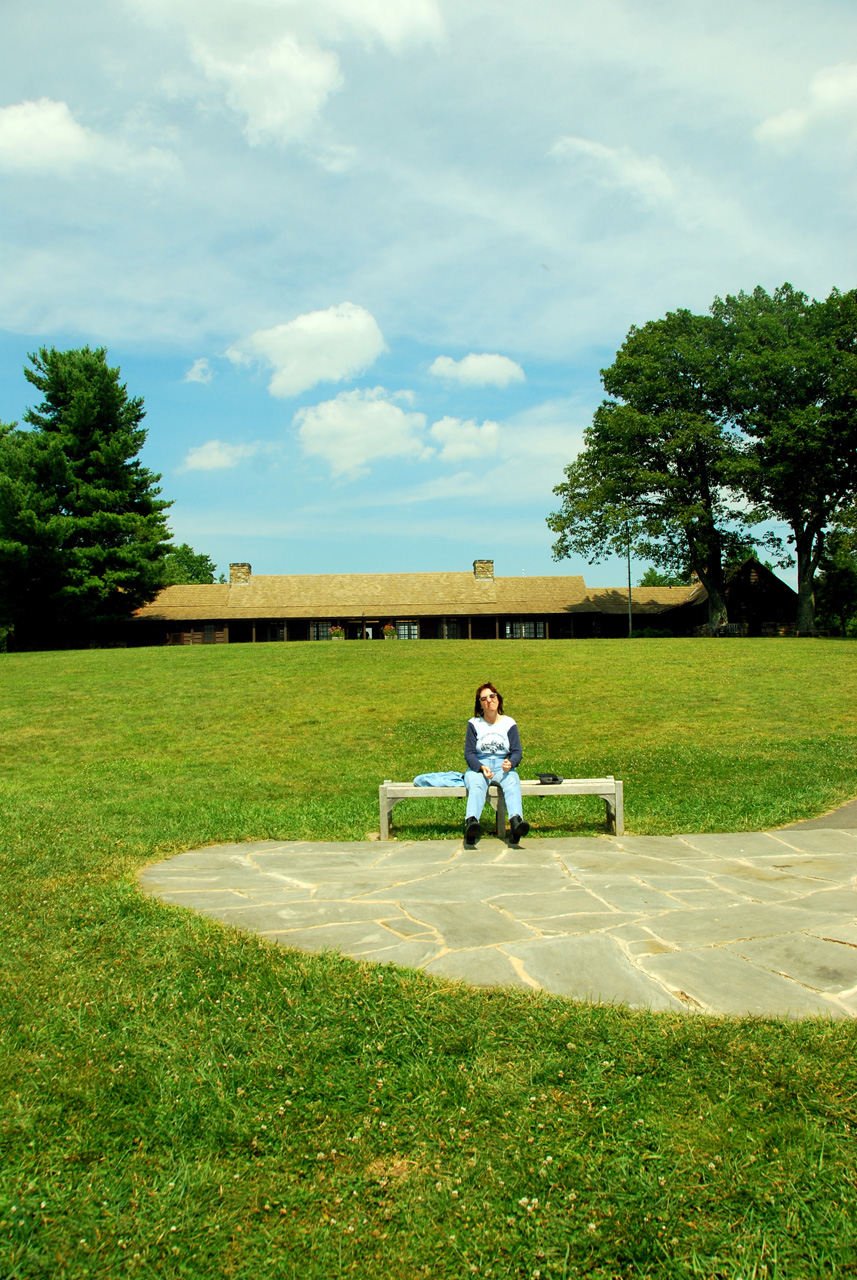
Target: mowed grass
183, 1101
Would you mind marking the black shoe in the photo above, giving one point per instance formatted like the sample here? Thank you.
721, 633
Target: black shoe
472, 831
519, 828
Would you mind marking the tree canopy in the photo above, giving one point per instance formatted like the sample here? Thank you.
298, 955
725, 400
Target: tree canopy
715, 425
658, 469
184, 565
791, 390
83, 533
654, 578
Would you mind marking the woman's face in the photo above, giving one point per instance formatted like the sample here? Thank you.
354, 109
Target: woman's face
488, 701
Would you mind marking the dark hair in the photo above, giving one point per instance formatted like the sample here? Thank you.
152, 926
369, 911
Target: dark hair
486, 684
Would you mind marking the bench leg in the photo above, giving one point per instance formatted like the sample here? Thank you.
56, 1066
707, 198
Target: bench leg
501, 813
620, 809
385, 811
610, 815
615, 811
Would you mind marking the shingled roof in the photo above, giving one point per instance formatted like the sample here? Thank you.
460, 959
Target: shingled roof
644, 599
405, 595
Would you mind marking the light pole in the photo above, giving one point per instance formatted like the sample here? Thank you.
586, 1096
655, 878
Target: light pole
628, 550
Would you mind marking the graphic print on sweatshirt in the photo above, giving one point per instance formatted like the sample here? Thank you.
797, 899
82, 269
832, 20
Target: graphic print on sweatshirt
492, 739
493, 744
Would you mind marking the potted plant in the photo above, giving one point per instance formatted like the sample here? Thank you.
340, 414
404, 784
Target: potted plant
390, 632
337, 632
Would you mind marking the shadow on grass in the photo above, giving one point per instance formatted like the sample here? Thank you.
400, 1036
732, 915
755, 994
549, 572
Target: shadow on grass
549, 819
538, 831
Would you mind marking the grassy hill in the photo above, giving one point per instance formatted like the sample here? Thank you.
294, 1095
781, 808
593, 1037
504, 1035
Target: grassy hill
182, 1101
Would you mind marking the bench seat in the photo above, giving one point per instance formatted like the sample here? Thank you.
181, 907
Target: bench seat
609, 789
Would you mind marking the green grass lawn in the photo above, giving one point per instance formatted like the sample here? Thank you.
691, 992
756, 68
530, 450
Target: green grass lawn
182, 1101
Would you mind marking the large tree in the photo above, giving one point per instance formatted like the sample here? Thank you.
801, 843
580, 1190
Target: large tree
791, 382
836, 585
654, 578
82, 527
184, 565
657, 473
836, 580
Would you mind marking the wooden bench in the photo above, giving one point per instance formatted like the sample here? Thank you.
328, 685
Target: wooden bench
609, 789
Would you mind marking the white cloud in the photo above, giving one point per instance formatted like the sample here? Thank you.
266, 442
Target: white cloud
42, 136
831, 99
619, 167
396, 22
269, 59
279, 88
527, 455
534, 448
319, 346
359, 427
215, 455
461, 440
462, 484
335, 157
478, 370
474, 238
200, 371
523, 457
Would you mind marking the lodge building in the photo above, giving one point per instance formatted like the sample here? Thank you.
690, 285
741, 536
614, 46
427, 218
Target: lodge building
253, 608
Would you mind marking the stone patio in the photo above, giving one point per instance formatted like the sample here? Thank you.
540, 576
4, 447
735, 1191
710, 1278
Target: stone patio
761, 923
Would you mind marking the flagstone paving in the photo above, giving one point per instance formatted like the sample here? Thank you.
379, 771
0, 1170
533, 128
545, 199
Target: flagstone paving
760, 923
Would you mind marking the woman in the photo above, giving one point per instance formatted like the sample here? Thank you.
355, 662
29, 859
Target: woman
492, 749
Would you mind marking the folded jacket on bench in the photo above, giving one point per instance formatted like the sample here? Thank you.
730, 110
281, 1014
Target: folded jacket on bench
439, 780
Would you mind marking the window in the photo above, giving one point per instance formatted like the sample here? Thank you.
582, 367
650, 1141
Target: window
525, 630
453, 629
208, 633
319, 631
408, 630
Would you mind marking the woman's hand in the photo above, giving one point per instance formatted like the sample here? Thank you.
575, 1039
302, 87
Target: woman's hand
489, 773
507, 765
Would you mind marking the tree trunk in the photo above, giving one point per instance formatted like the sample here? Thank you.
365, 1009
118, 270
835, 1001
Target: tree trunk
805, 622
706, 559
717, 613
712, 580
809, 545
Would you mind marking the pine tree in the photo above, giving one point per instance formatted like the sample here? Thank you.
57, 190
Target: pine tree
83, 533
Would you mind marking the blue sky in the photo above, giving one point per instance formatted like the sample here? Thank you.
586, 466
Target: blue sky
364, 259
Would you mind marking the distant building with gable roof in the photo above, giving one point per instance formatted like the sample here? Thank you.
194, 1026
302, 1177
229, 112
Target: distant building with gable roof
438, 606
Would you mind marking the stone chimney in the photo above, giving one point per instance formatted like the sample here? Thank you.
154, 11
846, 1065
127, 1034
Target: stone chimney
239, 575
483, 568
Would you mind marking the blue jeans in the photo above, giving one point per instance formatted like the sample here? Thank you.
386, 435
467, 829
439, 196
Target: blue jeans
477, 788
